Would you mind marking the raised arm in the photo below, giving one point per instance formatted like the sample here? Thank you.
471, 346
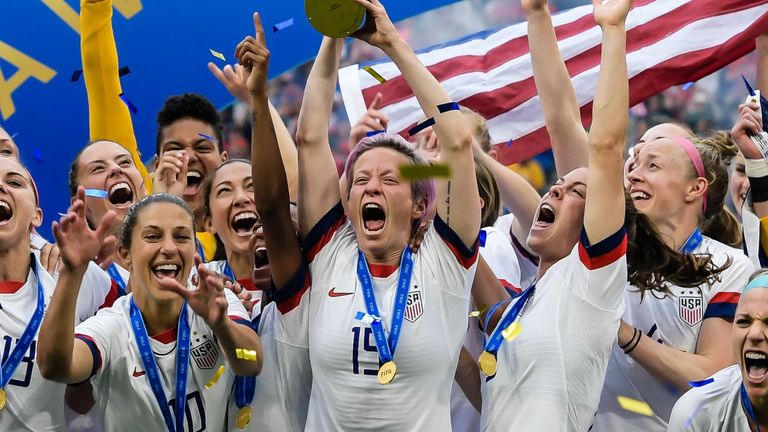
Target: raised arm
60, 356
603, 213
271, 191
318, 178
457, 201
553, 83
109, 117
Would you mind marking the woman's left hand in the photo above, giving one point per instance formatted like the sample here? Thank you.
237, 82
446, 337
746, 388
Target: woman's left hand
208, 300
378, 29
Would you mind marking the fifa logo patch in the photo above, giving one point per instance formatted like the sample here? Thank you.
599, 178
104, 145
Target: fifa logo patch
690, 307
205, 355
414, 306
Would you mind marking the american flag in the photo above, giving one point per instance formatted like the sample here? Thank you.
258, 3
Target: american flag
669, 42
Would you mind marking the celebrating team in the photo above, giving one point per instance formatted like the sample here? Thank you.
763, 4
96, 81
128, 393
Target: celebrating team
271, 294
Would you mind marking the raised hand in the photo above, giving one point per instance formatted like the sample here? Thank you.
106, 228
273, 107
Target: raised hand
171, 173
750, 122
233, 79
533, 5
611, 12
78, 243
208, 300
378, 29
252, 54
372, 120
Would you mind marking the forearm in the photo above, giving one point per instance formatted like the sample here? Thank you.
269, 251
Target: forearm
611, 103
762, 63
558, 98
467, 376
272, 190
316, 107
487, 291
233, 336
57, 332
287, 151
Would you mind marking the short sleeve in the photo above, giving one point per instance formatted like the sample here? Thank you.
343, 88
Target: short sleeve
100, 333
95, 289
682, 419
451, 262
235, 309
725, 294
603, 266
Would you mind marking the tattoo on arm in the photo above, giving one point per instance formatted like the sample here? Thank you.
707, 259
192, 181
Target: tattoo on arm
448, 205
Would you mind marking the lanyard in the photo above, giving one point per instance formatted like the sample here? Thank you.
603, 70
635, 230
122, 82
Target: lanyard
9, 367
245, 387
496, 338
114, 273
153, 375
693, 242
747, 405
200, 250
386, 348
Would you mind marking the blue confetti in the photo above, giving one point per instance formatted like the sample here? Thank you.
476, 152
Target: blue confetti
701, 383
62, 214
38, 155
687, 86
481, 238
208, 137
282, 25
749, 87
96, 193
375, 132
509, 143
76, 74
359, 315
450, 106
420, 127
13, 137
125, 70
128, 103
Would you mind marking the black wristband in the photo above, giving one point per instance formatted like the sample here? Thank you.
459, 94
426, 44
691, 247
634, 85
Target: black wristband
758, 189
632, 339
637, 342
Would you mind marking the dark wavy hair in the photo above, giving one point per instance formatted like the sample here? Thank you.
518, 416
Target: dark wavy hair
132, 216
188, 105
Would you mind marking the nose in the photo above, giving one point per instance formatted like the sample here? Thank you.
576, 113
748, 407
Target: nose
556, 191
756, 334
633, 175
192, 155
168, 246
114, 169
373, 186
242, 197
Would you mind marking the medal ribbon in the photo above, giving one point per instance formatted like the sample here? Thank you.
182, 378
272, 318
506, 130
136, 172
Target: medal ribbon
245, 387
29, 333
386, 348
153, 375
114, 273
747, 405
693, 242
496, 338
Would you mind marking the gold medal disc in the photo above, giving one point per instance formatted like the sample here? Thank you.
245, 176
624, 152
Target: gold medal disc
2, 399
488, 363
387, 372
243, 417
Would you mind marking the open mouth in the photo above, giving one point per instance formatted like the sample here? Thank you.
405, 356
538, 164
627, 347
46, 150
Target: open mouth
5, 212
167, 270
194, 180
374, 218
244, 223
260, 257
756, 364
546, 216
121, 194
639, 196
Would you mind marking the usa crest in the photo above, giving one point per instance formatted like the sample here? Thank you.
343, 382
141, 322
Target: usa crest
205, 355
414, 305
690, 307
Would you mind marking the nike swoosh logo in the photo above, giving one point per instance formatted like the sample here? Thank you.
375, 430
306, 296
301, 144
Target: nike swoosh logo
333, 293
137, 373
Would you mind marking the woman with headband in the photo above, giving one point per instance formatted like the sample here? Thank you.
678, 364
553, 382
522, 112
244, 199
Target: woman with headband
735, 398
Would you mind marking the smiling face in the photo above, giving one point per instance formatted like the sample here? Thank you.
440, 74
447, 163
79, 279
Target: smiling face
108, 166
381, 205
558, 221
204, 156
19, 212
261, 275
750, 341
232, 210
738, 184
162, 245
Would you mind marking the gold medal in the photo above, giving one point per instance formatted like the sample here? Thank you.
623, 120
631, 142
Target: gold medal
243, 417
387, 372
2, 399
488, 363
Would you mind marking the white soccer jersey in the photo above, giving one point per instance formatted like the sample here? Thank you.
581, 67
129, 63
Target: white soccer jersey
122, 390
549, 377
528, 264
714, 407
675, 321
33, 403
750, 225
346, 394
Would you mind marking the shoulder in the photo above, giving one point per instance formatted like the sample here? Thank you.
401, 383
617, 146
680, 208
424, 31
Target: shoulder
721, 253
708, 403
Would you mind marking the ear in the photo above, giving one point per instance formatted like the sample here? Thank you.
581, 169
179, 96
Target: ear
224, 155
125, 257
696, 189
482, 204
37, 220
208, 224
155, 162
494, 154
419, 208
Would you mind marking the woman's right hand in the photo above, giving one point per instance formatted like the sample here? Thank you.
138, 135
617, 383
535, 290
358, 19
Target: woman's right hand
750, 122
171, 173
78, 243
378, 30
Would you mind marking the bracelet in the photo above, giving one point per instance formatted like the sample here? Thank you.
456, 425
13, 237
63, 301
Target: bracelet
635, 344
758, 189
630, 339
756, 167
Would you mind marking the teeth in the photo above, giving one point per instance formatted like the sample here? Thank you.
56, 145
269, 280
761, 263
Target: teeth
640, 195
172, 267
260, 249
194, 174
122, 185
548, 207
245, 215
755, 356
5, 204
372, 205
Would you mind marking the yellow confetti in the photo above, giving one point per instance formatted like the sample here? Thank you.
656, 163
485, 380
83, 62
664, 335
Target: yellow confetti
635, 406
511, 332
477, 313
417, 172
218, 55
246, 354
215, 378
375, 74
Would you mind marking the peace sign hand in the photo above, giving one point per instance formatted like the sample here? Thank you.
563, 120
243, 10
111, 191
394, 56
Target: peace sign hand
253, 55
208, 300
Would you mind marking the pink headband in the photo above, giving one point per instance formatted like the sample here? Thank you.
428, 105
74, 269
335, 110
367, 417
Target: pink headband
695, 157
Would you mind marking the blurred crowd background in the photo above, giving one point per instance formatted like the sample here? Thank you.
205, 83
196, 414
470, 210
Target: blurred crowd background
706, 105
